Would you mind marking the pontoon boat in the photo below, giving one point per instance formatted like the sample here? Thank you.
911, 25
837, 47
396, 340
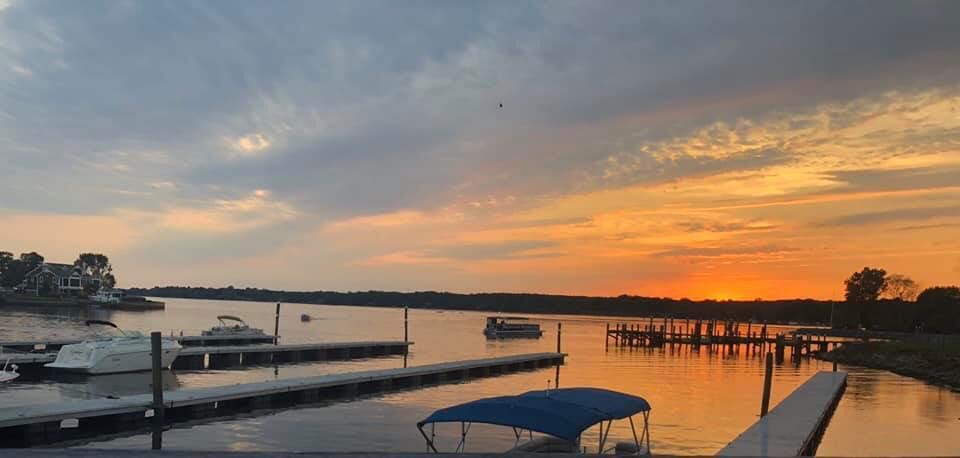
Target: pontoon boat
129, 352
238, 329
561, 414
503, 327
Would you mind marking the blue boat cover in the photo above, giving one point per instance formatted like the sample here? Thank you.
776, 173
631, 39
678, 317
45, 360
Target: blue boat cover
563, 413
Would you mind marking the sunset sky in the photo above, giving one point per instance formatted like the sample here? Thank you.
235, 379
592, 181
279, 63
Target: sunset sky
686, 149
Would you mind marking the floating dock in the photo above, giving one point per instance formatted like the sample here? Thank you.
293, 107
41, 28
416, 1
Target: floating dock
796, 425
198, 358
39, 424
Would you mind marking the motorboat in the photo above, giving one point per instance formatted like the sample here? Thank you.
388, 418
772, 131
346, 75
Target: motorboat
560, 416
107, 296
305, 318
506, 327
232, 326
9, 372
127, 352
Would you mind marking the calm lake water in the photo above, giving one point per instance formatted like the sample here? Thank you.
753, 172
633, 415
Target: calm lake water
701, 400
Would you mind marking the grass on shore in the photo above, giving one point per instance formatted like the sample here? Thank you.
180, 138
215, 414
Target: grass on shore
936, 362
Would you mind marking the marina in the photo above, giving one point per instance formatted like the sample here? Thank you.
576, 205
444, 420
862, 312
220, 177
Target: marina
31, 425
690, 413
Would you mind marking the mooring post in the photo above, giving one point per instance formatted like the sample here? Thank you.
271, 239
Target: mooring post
276, 326
559, 331
606, 338
158, 420
556, 378
406, 334
767, 379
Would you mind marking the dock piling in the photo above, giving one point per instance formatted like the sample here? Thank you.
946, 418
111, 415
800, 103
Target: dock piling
276, 326
158, 417
767, 380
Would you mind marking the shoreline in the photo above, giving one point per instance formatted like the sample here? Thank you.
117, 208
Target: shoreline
41, 301
938, 366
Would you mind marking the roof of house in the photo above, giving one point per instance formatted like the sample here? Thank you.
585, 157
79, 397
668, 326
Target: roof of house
60, 270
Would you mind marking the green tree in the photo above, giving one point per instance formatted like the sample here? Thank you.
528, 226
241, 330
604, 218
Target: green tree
16, 271
900, 287
31, 259
5, 258
97, 266
866, 285
939, 309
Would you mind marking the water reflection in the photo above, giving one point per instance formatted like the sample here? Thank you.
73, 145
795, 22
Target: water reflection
701, 399
80, 386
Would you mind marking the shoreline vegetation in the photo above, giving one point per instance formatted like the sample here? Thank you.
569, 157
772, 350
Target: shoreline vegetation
936, 362
794, 311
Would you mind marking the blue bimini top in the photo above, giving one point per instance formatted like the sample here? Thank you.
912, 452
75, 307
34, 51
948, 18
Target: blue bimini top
564, 413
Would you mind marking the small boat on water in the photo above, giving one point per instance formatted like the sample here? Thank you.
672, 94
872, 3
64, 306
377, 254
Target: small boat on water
561, 415
128, 352
9, 372
239, 328
511, 326
304, 317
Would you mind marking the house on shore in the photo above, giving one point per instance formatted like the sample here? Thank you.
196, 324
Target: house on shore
53, 279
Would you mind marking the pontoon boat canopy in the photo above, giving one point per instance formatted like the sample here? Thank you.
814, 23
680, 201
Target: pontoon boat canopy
564, 413
231, 318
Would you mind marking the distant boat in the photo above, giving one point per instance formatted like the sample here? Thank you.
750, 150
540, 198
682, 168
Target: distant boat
507, 327
305, 317
7, 375
129, 352
239, 329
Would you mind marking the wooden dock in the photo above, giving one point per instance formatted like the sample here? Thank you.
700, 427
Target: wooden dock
796, 425
198, 358
39, 424
715, 333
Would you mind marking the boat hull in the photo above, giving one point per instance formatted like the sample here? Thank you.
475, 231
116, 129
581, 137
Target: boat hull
85, 358
512, 334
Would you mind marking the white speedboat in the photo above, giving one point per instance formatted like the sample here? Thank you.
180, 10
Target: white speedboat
7, 375
239, 328
128, 352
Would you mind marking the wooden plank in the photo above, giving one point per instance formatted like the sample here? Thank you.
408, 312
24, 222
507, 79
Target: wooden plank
42, 413
793, 427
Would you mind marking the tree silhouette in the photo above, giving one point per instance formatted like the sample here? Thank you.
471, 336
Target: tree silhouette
866, 285
900, 287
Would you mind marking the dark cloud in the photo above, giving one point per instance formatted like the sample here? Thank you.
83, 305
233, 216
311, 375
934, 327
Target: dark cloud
903, 214
373, 106
488, 251
721, 252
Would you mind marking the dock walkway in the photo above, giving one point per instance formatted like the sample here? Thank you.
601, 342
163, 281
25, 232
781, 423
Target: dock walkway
795, 426
31, 425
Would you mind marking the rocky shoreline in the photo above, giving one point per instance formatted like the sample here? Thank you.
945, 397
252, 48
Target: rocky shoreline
937, 365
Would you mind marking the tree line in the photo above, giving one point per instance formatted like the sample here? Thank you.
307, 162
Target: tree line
781, 311
14, 270
876, 300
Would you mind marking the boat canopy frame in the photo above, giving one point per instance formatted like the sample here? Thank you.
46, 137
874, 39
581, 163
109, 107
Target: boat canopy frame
221, 319
565, 413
